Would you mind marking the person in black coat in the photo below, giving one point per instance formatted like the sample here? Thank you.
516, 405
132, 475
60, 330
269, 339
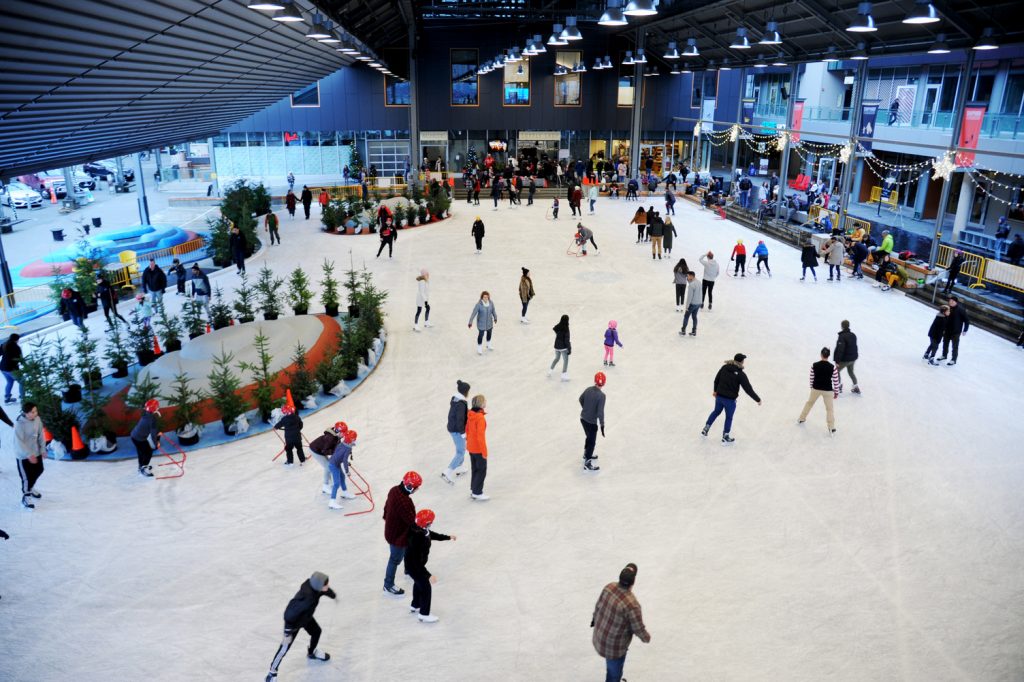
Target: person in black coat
107, 295
237, 244
307, 200
954, 271
957, 324
416, 555
563, 347
458, 409
388, 237
10, 359
845, 353
298, 615
72, 306
728, 382
291, 424
808, 259
858, 254
935, 334
478, 234
154, 281
179, 272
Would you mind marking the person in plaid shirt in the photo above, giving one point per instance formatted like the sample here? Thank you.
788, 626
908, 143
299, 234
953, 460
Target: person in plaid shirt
617, 618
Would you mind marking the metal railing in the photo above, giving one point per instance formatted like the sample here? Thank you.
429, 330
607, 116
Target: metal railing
876, 197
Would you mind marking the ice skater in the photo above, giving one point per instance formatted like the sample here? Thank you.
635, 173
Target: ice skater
808, 259
563, 347
691, 303
728, 382
486, 317
399, 515
761, 253
957, 324
611, 339
640, 220
146, 436
30, 449
338, 465
707, 285
845, 355
670, 235
291, 424
833, 252
825, 384
458, 407
420, 539
526, 294
617, 617
935, 334
554, 209
679, 279
739, 254
476, 444
591, 416
298, 615
478, 234
322, 448
422, 300
388, 237
584, 235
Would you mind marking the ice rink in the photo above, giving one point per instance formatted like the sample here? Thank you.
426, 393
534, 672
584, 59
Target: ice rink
892, 551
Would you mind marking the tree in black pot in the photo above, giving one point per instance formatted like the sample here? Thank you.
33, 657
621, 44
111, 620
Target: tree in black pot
264, 379
218, 235
117, 353
95, 423
192, 317
267, 293
220, 312
169, 328
87, 361
329, 289
329, 371
352, 285
65, 370
224, 386
300, 380
144, 388
140, 337
185, 400
242, 201
299, 293
245, 301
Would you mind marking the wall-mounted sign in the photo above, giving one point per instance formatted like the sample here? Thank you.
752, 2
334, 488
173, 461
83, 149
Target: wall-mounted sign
433, 136
540, 135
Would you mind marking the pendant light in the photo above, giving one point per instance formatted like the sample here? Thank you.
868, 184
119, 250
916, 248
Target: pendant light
860, 54
725, 65
940, 46
332, 35
598, 65
864, 23
288, 14
771, 34
640, 8
672, 52
761, 65
571, 32
985, 42
740, 42
691, 48
318, 30
640, 58
629, 61
607, 62
556, 37
780, 60
830, 55
538, 44
266, 5
923, 13
613, 15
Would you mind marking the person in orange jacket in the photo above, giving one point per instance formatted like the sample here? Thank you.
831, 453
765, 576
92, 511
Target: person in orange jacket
324, 199
476, 445
739, 254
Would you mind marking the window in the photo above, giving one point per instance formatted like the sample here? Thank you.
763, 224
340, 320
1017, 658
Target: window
516, 92
981, 90
705, 86
396, 92
465, 84
625, 92
1013, 97
568, 85
308, 96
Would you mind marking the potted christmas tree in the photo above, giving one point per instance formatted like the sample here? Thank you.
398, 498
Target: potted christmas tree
192, 316
117, 353
329, 289
140, 337
299, 294
267, 288
143, 389
65, 370
301, 381
262, 377
185, 401
220, 312
169, 327
399, 214
328, 372
95, 425
224, 386
87, 362
245, 299
352, 287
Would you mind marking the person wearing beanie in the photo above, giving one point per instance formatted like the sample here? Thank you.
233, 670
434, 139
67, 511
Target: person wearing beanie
478, 230
298, 615
422, 300
420, 538
617, 618
739, 254
458, 408
953, 271
476, 444
845, 353
728, 382
526, 294
611, 339
761, 252
825, 385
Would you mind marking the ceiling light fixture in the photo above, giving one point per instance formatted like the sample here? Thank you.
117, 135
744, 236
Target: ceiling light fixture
760, 65
771, 34
864, 23
640, 8
740, 42
940, 46
675, 70
640, 58
830, 55
985, 42
318, 30
691, 48
571, 31
860, 54
613, 15
288, 14
780, 60
598, 65
629, 61
266, 5
556, 37
538, 44
923, 13
607, 62
725, 65
672, 52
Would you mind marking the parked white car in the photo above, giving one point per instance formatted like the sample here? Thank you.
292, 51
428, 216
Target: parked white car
20, 195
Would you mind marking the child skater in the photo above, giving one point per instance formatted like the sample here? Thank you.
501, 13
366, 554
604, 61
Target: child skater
416, 554
422, 300
291, 424
339, 468
554, 209
323, 447
145, 308
611, 339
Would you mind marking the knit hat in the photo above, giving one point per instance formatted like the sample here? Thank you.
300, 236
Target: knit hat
462, 387
526, 272
845, 324
318, 580
739, 357
627, 576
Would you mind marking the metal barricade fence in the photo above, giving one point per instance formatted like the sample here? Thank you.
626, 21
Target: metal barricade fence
973, 265
1002, 274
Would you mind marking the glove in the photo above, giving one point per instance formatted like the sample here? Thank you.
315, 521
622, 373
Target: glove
4, 535
602, 431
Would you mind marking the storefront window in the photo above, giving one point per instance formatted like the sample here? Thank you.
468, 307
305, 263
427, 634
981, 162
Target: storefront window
568, 85
465, 84
517, 84
308, 96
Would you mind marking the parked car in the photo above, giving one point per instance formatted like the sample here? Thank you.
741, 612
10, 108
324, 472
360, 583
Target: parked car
107, 169
20, 195
42, 182
82, 181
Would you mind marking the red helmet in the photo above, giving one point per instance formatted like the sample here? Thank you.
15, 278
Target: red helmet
424, 517
340, 427
287, 409
66, 293
600, 378
350, 437
412, 480
152, 405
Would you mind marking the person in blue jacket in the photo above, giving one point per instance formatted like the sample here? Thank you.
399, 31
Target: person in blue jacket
338, 466
761, 253
146, 436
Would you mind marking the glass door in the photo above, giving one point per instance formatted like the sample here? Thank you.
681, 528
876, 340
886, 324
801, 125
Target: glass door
931, 103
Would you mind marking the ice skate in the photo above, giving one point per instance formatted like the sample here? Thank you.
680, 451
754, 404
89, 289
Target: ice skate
605, 363
951, 363
588, 465
549, 373
832, 433
143, 471
728, 440
346, 495
426, 323
480, 498
288, 465
318, 655
524, 320
394, 589
933, 362
26, 502
480, 349
271, 677
704, 431
34, 494
449, 476
414, 609
693, 333
611, 364
334, 504
462, 471
416, 327
490, 346
325, 490
565, 376
856, 389
428, 619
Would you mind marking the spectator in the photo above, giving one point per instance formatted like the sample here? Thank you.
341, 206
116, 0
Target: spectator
1016, 250
201, 287
887, 244
179, 276
617, 617
1002, 233
10, 358
154, 281
954, 271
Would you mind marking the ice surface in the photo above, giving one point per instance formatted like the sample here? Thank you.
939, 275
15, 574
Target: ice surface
892, 552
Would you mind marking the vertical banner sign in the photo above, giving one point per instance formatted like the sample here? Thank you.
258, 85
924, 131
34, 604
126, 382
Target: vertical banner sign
748, 112
798, 119
707, 115
868, 120
970, 131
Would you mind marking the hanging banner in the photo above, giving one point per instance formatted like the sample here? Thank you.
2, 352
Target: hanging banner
707, 115
798, 119
970, 131
868, 119
748, 112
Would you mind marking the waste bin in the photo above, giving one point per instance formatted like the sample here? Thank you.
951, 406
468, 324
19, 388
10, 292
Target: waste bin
96, 222
58, 234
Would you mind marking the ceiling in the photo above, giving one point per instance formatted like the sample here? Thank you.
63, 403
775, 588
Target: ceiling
88, 79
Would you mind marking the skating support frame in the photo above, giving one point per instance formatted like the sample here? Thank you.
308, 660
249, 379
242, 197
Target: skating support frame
281, 438
179, 463
363, 489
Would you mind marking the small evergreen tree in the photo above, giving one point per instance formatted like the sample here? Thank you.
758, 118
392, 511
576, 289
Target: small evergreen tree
140, 338
168, 326
61, 362
144, 388
86, 360
262, 376
329, 286
95, 422
351, 285
117, 351
355, 162
245, 299
301, 381
184, 399
220, 312
267, 291
471, 157
299, 293
218, 235
192, 315
224, 386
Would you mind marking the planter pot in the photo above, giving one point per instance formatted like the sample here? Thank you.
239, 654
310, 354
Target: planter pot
331, 310
229, 427
352, 376
121, 370
93, 381
172, 345
145, 357
193, 336
353, 311
221, 262
301, 310
221, 325
270, 316
326, 388
243, 320
73, 394
265, 417
189, 435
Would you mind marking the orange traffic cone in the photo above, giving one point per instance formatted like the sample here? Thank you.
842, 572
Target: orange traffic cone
47, 436
207, 328
288, 398
156, 346
53, 195
78, 449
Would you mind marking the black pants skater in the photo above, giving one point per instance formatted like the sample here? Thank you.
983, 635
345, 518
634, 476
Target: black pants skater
955, 338
419, 309
933, 345
741, 264
706, 288
590, 440
389, 242
290, 445
312, 627
680, 292
763, 260
29, 473
275, 234
478, 464
421, 593
111, 308
305, 207
479, 243
144, 451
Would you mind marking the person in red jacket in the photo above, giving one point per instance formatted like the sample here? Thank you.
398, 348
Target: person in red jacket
575, 199
399, 517
324, 199
739, 254
476, 445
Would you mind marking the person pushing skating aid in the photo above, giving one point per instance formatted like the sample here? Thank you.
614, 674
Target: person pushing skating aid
291, 424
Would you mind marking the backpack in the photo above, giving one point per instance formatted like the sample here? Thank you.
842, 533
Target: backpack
324, 444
